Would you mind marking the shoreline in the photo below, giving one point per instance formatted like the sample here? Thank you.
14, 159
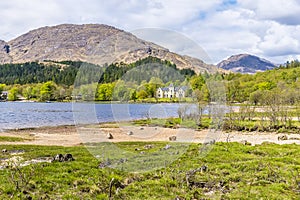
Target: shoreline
72, 135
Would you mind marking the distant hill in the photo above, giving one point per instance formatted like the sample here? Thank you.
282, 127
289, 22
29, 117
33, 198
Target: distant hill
245, 63
93, 43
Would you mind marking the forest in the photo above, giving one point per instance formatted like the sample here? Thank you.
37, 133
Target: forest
59, 81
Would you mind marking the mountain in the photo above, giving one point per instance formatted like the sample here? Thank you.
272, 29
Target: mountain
93, 43
245, 63
4, 55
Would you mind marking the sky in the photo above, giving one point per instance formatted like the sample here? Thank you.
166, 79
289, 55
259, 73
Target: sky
221, 28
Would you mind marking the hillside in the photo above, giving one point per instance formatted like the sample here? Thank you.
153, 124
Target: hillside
283, 81
245, 63
93, 43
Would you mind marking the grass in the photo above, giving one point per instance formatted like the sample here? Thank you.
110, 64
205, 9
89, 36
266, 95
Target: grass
235, 171
11, 139
173, 123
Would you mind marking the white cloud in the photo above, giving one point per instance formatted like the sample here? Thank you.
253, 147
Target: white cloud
281, 40
283, 11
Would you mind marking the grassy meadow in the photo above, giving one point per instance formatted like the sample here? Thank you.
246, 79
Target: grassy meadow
219, 171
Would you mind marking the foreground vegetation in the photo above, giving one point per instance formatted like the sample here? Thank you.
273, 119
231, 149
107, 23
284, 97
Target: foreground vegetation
229, 171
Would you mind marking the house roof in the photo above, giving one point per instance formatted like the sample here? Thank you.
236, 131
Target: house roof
166, 89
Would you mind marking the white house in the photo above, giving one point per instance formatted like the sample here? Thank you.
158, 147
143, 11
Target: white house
171, 92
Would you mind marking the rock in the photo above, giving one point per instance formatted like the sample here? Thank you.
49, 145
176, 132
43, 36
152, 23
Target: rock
204, 168
109, 136
282, 137
58, 158
128, 181
104, 164
123, 160
68, 157
130, 133
167, 147
148, 146
4, 150
172, 138
245, 142
141, 128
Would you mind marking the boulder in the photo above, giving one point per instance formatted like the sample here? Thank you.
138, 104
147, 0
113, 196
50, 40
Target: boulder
130, 133
172, 138
58, 158
282, 137
109, 136
68, 157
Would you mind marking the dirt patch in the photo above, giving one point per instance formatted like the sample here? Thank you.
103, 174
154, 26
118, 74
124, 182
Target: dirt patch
72, 135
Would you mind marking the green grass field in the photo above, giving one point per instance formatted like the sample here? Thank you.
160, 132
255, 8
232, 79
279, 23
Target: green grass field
234, 171
11, 139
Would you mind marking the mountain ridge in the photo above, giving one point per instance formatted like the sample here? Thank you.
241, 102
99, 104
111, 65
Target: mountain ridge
246, 63
94, 43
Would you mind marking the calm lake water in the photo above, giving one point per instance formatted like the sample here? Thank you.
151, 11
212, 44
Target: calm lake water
28, 114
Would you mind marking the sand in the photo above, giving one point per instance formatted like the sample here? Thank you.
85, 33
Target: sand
78, 135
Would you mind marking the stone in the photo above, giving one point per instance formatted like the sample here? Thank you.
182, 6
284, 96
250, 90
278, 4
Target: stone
130, 133
282, 137
167, 147
104, 164
148, 146
58, 158
123, 160
204, 168
245, 142
172, 138
109, 136
68, 157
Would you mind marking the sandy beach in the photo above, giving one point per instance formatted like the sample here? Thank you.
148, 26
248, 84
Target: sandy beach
77, 135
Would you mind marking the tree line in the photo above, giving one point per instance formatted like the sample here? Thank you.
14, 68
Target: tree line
140, 80
52, 80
